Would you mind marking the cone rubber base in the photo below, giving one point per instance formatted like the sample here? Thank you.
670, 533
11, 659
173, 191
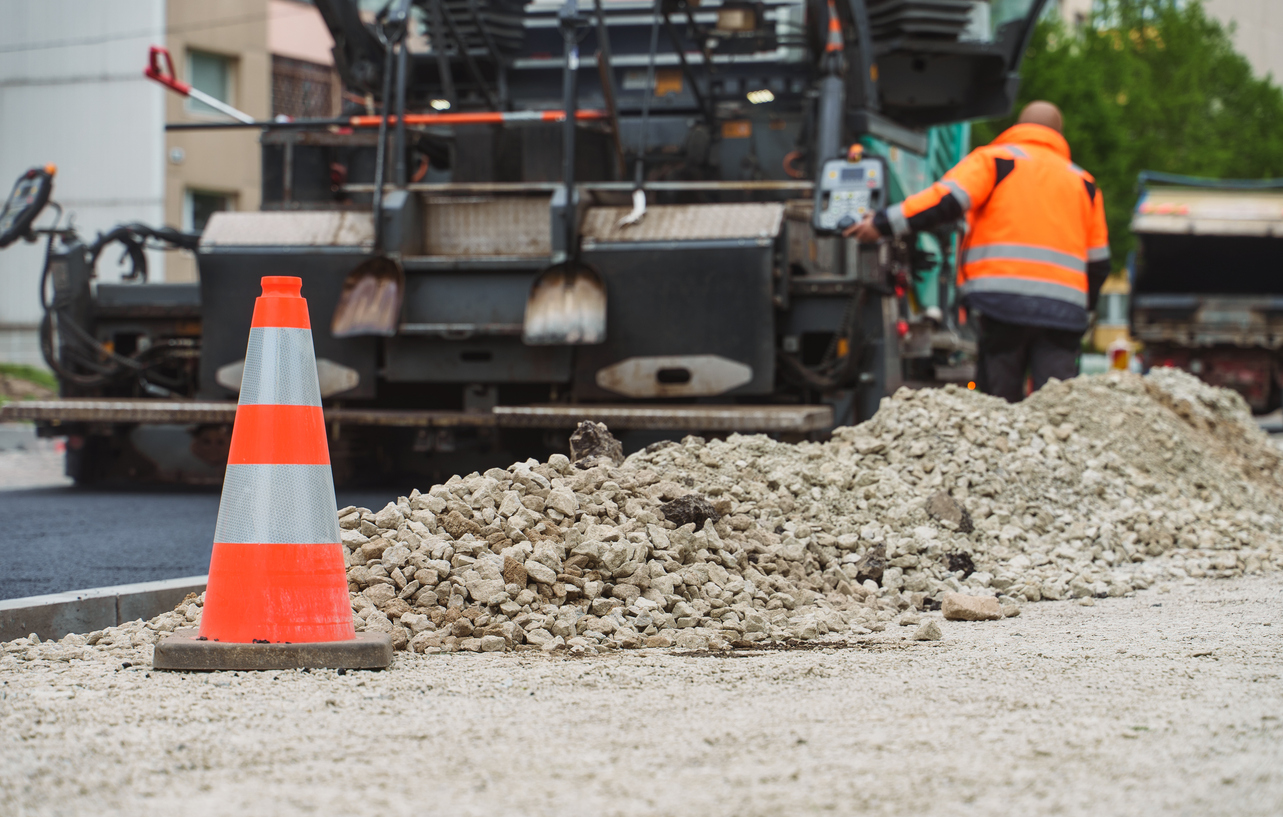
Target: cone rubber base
184, 651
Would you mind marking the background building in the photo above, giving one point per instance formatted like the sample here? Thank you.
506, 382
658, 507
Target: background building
220, 46
1258, 31
1257, 28
72, 93
1075, 12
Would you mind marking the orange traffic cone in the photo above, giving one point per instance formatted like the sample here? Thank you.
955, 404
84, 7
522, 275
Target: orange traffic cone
276, 578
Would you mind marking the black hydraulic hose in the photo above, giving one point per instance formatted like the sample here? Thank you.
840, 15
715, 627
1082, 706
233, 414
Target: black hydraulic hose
380, 151
847, 371
59, 332
686, 69
436, 21
648, 92
570, 102
468, 61
398, 141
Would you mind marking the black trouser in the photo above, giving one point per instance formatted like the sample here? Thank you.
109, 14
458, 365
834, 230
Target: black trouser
1009, 350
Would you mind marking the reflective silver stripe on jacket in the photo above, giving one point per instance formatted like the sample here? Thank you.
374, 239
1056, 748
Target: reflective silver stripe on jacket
1024, 252
963, 197
1098, 254
1015, 151
895, 217
280, 369
1024, 286
277, 504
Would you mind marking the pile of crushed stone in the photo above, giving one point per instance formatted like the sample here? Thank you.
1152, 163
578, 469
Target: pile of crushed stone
1094, 487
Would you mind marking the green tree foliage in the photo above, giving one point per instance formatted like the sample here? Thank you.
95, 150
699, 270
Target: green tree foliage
1151, 85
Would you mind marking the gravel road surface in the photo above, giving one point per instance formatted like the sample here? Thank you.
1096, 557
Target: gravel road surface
1166, 702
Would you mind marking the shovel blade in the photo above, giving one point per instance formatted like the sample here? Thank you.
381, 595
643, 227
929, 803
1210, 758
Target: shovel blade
370, 303
567, 306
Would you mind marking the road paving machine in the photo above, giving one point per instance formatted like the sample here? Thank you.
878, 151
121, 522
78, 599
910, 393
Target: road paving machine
554, 211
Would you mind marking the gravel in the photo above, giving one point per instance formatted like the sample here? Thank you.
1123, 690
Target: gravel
1164, 702
1093, 488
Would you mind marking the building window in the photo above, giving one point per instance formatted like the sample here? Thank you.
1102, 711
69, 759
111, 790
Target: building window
199, 205
213, 75
302, 89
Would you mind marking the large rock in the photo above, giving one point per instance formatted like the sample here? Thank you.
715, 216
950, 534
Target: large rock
944, 508
563, 501
486, 591
691, 509
458, 527
380, 594
691, 640
540, 572
389, 517
372, 551
960, 562
872, 566
514, 572
929, 631
595, 440
959, 607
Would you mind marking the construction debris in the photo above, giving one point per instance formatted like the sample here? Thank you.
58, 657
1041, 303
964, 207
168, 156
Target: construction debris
1090, 488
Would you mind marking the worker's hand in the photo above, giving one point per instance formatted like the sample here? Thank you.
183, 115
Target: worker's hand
864, 232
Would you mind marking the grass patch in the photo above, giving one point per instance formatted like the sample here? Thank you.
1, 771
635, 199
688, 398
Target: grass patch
29, 373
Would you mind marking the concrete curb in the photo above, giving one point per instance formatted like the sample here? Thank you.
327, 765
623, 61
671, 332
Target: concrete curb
83, 611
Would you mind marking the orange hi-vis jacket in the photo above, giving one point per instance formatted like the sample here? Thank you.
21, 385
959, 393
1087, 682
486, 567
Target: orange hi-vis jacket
1037, 249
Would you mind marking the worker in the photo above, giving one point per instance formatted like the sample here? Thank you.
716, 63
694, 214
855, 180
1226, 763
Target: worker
1035, 254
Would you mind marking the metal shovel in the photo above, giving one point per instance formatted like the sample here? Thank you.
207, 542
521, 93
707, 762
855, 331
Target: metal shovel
370, 302
567, 302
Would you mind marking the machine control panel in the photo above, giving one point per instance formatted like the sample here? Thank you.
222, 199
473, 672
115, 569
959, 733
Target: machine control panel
847, 192
29, 197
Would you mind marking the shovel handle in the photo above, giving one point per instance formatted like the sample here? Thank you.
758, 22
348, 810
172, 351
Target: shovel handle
164, 74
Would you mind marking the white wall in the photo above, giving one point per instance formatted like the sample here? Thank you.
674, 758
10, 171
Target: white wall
1258, 31
72, 93
1075, 11
1258, 28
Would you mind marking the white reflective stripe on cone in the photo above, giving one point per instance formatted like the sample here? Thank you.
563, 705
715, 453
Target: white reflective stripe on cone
280, 369
1024, 286
277, 504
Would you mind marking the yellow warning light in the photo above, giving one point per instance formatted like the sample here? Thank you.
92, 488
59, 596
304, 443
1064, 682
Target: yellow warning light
971, 384
844, 346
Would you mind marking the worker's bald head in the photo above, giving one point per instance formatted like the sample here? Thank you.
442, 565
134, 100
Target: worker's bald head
1042, 113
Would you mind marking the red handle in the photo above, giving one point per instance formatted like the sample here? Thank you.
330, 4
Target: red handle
156, 71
